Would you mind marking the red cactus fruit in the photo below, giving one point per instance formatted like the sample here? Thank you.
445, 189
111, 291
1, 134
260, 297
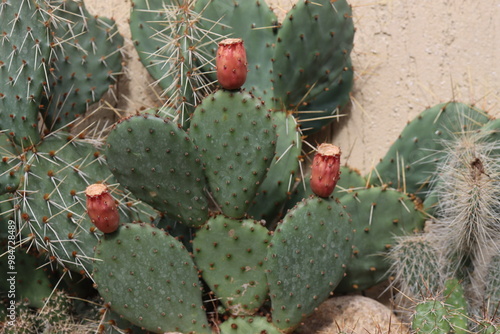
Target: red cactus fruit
101, 208
325, 170
231, 63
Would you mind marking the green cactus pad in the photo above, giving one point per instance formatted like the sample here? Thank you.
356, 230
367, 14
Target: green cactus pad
350, 181
6, 214
491, 131
379, 215
160, 165
330, 105
411, 160
255, 23
431, 318
231, 255
10, 164
325, 29
52, 203
32, 279
306, 259
284, 170
150, 279
169, 40
237, 140
248, 325
23, 57
85, 60
457, 306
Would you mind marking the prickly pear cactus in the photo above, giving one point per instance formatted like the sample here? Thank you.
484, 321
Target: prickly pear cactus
237, 141
85, 61
231, 255
150, 279
283, 171
10, 164
325, 30
51, 203
52, 208
169, 39
314, 85
378, 215
158, 162
23, 61
34, 281
306, 259
257, 25
411, 160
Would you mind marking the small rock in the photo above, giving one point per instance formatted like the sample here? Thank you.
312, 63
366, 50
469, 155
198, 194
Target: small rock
352, 315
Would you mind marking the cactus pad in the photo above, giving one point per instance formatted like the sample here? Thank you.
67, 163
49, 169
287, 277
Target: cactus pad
378, 216
10, 164
325, 29
231, 255
85, 60
284, 169
255, 23
159, 164
306, 259
150, 279
23, 57
411, 160
237, 140
52, 204
169, 39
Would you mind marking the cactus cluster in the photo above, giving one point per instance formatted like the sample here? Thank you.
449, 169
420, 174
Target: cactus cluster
207, 160
56, 60
177, 41
207, 177
198, 217
460, 191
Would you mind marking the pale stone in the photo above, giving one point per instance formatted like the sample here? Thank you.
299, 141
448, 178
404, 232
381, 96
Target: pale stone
352, 315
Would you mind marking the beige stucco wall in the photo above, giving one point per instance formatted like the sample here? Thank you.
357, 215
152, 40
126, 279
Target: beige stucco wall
408, 55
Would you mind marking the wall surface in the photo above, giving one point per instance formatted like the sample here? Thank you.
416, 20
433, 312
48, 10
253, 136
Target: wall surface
408, 55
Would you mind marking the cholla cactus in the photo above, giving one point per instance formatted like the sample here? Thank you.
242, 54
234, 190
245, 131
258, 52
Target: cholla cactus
462, 237
467, 185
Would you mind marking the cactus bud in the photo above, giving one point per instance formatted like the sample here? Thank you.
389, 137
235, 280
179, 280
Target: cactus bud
231, 63
325, 170
101, 208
